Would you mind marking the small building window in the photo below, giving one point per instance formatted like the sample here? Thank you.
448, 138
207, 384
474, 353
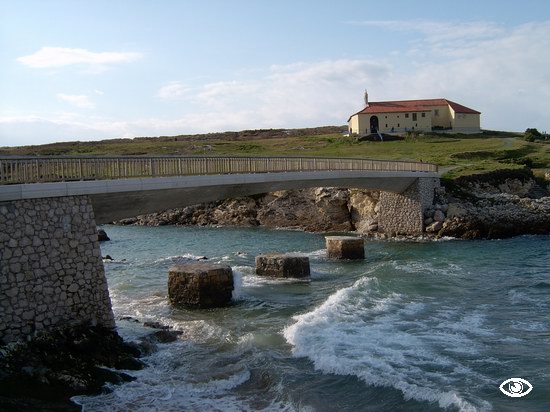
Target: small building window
386, 125
414, 117
406, 115
423, 114
397, 124
436, 112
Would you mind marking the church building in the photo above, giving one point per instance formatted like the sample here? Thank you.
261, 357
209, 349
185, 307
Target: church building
402, 116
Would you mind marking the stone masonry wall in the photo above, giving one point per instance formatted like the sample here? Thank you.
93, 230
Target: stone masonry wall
403, 214
51, 271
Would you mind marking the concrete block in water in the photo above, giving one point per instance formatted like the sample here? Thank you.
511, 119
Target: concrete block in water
200, 284
345, 247
282, 266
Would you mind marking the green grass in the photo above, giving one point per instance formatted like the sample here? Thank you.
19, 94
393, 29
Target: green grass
457, 155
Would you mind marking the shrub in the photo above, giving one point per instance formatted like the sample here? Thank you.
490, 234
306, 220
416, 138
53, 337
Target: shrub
533, 134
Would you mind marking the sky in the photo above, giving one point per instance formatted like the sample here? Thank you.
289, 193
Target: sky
91, 70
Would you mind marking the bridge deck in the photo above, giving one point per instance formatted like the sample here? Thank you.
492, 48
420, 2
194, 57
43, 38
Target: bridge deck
61, 169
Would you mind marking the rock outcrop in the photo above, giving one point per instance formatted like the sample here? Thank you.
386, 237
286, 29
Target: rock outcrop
45, 372
315, 210
363, 208
102, 235
498, 204
230, 212
499, 216
493, 205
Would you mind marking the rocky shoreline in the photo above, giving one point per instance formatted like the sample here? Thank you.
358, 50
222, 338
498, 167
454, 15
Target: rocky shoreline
45, 372
492, 205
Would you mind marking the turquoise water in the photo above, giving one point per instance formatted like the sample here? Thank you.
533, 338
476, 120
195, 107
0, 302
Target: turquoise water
415, 326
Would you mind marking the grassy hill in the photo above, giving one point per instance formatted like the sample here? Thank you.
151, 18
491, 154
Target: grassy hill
457, 154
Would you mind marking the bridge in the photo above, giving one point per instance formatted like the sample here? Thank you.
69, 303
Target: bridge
122, 187
51, 269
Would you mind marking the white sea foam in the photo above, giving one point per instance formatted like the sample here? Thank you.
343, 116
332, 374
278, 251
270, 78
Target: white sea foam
521, 296
170, 383
138, 307
113, 262
449, 269
198, 331
237, 285
446, 239
530, 326
316, 254
158, 309
244, 270
510, 339
167, 393
179, 258
363, 332
473, 323
251, 279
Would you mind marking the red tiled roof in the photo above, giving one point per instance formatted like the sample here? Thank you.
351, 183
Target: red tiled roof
461, 109
425, 105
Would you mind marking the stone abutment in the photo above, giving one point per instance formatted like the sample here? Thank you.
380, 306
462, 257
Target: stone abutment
51, 271
403, 213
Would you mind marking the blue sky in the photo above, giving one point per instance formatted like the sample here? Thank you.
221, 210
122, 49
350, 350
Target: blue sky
88, 70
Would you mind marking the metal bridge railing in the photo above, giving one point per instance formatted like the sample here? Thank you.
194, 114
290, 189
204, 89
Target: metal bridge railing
57, 169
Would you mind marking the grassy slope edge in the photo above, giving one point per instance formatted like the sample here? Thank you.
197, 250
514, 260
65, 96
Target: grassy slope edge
457, 154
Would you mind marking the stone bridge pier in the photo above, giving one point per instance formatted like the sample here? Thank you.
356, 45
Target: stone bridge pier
51, 270
403, 213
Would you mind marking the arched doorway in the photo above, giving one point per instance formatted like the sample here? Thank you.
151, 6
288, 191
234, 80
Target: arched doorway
374, 124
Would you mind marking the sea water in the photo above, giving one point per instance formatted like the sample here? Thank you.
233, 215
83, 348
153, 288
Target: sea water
416, 326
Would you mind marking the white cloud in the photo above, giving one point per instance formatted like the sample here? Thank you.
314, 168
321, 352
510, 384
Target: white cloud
78, 100
210, 94
173, 91
504, 76
228, 93
286, 96
325, 92
40, 129
439, 39
497, 70
500, 71
439, 30
301, 94
55, 57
